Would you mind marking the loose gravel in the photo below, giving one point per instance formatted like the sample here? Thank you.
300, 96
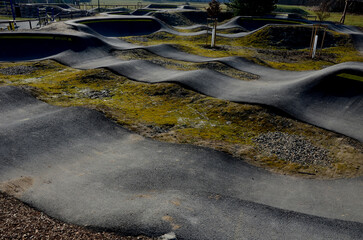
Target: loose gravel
292, 148
96, 94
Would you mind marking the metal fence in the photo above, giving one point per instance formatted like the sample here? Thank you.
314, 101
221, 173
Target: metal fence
108, 6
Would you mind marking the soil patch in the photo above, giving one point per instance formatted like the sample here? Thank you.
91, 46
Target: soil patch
17, 186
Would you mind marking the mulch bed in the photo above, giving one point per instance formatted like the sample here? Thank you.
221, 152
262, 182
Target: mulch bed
19, 221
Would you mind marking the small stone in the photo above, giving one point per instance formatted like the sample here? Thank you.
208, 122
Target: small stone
168, 236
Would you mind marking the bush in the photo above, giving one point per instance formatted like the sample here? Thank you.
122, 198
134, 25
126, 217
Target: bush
251, 7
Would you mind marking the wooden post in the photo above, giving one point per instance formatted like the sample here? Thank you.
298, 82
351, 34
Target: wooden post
322, 41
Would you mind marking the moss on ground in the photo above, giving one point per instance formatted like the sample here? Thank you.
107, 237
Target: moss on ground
168, 112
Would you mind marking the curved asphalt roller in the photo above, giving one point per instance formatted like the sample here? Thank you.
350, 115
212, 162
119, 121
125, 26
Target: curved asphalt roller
330, 98
80, 167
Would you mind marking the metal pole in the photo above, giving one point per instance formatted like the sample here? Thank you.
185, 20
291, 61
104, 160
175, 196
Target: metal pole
12, 9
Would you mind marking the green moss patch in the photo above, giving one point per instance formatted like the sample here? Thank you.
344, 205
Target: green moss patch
168, 112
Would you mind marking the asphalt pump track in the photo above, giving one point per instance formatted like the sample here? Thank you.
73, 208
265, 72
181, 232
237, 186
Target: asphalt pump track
80, 167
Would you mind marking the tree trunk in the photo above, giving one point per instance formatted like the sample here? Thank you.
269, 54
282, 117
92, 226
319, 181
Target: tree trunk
344, 12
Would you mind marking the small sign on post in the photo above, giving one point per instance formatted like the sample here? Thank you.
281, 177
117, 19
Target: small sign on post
315, 38
214, 33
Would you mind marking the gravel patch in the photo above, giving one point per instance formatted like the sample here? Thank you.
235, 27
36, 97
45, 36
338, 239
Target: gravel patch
292, 148
18, 70
96, 94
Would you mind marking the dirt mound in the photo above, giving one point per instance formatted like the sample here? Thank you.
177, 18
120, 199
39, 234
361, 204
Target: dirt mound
295, 37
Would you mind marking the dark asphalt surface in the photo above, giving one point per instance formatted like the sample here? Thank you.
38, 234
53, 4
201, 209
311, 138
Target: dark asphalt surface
87, 170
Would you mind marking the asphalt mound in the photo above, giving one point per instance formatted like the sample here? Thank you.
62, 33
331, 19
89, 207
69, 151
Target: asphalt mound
253, 23
330, 98
295, 37
117, 27
80, 167
187, 18
30, 46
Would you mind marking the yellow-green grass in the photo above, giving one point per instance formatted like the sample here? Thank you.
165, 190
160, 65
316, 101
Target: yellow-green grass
250, 47
168, 112
195, 44
303, 10
351, 76
350, 19
11, 18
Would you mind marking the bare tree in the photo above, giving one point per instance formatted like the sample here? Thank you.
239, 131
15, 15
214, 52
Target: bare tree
322, 10
213, 11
